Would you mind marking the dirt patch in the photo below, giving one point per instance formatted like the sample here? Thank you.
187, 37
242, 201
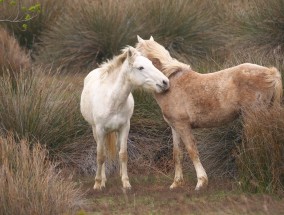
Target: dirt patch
150, 194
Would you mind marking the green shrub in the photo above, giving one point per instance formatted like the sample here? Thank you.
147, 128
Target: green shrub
41, 107
29, 183
29, 18
260, 158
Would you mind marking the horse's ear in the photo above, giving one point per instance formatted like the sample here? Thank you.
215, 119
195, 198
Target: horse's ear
130, 53
151, 38
140, 40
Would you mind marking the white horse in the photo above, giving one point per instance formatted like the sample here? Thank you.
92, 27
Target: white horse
107, 104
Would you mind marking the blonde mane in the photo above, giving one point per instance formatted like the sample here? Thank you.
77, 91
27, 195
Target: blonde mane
173, 66
155, 51
111, 65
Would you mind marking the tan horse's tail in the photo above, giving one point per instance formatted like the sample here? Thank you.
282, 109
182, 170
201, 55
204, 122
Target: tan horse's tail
278, 88
111, 145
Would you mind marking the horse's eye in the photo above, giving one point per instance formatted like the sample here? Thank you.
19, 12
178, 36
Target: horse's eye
141, 68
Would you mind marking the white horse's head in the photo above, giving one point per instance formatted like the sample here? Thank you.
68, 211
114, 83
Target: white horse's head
144, 74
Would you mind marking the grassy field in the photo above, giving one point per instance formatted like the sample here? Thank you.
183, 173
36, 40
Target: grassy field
150, 194
46, 145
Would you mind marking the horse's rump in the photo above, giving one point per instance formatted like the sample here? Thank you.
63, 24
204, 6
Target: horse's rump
278, 88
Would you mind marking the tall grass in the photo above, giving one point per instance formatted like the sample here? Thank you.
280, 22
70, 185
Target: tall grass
260, 27
40, 107
29, 183
89, 33
92, 31
260, 158
12, 57
190, 30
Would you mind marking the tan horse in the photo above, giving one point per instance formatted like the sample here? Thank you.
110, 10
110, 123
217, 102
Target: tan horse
197, 100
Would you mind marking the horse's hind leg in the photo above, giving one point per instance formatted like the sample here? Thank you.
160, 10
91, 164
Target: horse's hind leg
188, 139
123, 157
178, 156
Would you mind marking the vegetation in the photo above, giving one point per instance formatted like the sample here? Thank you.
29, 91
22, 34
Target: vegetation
85, 35
12, 58
27, 19
261, 27
41, 106
29, 183
260, 157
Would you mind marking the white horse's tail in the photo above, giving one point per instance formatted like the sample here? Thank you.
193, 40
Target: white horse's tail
278, 88
111, 145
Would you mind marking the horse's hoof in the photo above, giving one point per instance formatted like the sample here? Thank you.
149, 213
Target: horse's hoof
201, 184
173, 186
176, 184
98, 187
127, 187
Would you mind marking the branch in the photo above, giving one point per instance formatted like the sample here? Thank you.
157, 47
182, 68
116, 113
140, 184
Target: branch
29, 13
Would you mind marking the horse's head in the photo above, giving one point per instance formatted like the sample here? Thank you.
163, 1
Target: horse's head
154, 51
159, 56
144, 74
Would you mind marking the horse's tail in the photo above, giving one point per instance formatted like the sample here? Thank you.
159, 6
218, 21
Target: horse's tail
111, 144
278, 88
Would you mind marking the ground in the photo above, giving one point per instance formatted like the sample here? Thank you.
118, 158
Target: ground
150, 194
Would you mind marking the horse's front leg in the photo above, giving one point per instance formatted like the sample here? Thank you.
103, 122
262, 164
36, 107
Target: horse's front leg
100, 179
188, 139
178, 156
123, 157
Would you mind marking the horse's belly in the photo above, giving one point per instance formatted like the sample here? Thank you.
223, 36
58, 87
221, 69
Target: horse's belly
213, 120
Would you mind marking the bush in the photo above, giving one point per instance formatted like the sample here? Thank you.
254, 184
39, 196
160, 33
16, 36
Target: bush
12, 58
260, 28
89, 33
92, 31
190, 30
29, 183
40, 20
260, 158
41, 107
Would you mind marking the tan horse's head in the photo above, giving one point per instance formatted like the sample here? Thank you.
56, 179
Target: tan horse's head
159, 56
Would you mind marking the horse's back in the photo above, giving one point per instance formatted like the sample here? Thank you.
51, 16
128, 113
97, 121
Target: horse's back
87, 95
207, 100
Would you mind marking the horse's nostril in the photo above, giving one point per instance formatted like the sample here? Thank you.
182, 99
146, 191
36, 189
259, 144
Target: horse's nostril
165, 83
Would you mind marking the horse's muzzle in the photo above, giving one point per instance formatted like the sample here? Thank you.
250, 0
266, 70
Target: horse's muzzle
164, 85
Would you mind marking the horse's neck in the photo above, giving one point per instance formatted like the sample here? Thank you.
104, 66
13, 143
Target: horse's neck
120, 90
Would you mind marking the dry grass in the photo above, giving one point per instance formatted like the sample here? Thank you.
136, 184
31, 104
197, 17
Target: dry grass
259, 27
12, 58
29, 183
88, 33
190, 30
91, 31
41, 107
260, 157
